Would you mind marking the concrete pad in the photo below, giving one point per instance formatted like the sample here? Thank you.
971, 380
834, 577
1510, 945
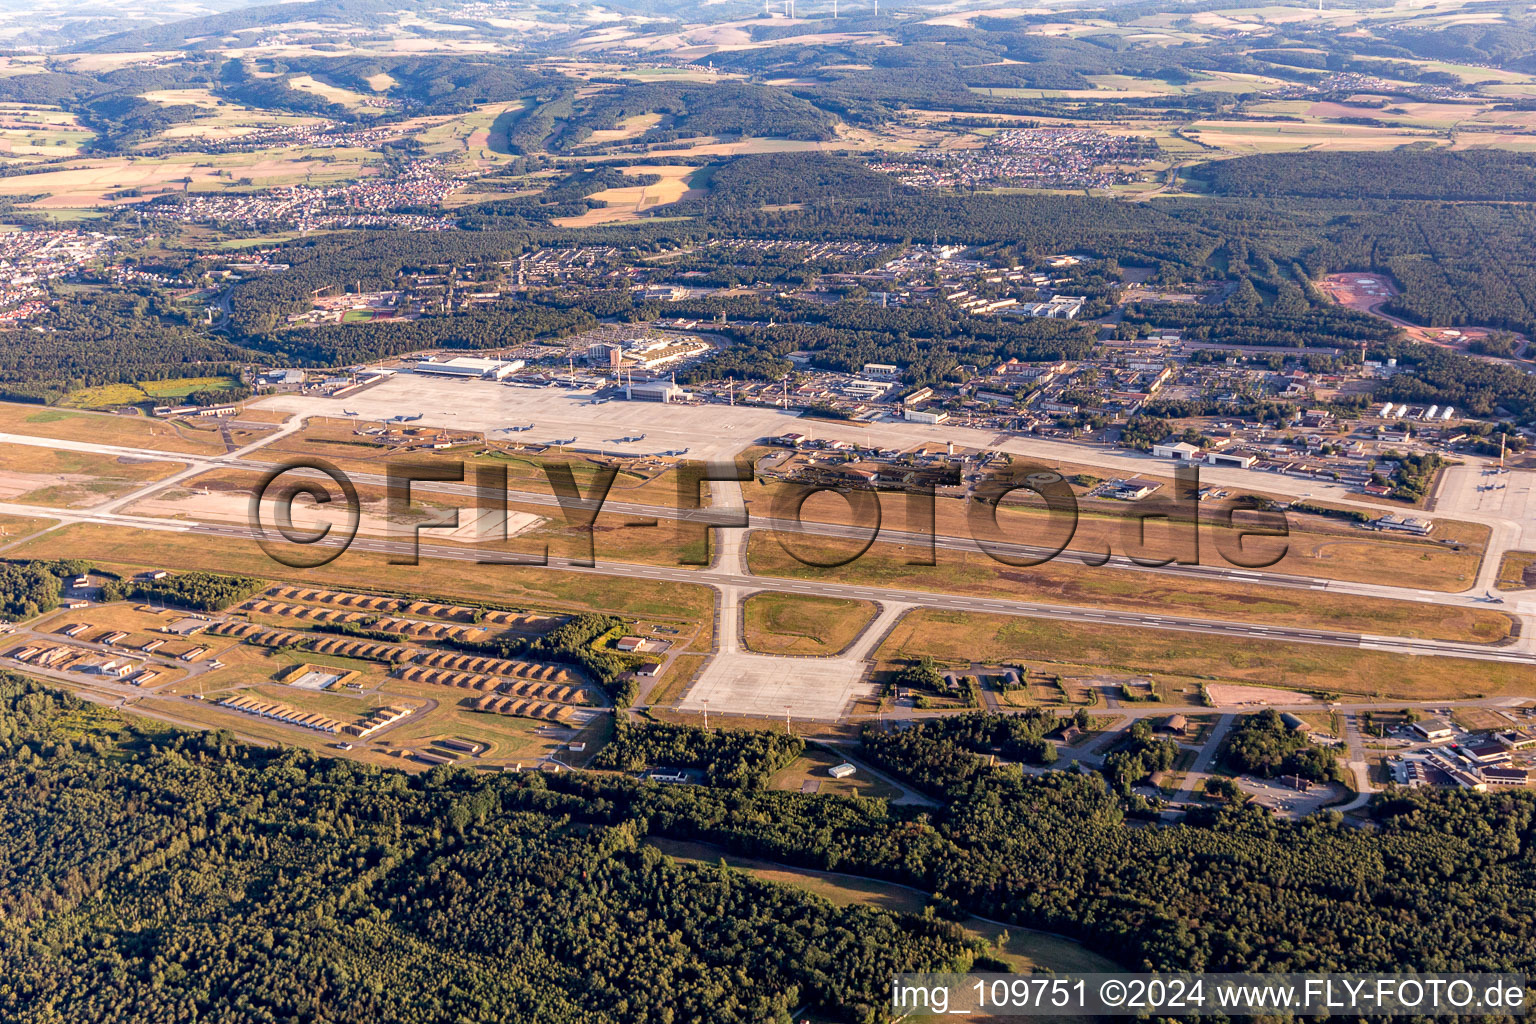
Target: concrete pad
763, 685
707, 431
315, 680
1510, 496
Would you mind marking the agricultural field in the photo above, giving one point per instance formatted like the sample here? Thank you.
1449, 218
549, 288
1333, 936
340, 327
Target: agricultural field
632, 201
29, 133
331, 93
91, 183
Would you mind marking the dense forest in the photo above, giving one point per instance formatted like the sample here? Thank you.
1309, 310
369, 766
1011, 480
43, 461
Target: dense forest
152, 876
691, 110
30, 588
1484, 174
431, 83
737, 759
147, 871
112, 339
931, 342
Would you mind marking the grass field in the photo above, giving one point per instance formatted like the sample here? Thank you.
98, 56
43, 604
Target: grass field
330, 93
1066, 582
812, 766
223, 495
1244, 138
145, 390
791, 624
15, 527
1176, 661
1513, 567
65, 479
479, 135
105, 428
516, 586
627, 129
1316, 546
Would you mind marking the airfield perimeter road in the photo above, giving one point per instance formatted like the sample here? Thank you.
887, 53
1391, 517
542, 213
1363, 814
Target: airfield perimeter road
734, 576
197, 464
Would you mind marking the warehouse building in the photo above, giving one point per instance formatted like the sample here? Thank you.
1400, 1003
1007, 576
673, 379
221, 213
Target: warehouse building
663, 391
470, 367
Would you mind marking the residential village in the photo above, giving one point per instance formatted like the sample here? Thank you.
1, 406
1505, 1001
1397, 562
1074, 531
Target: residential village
366, 203
1027, 158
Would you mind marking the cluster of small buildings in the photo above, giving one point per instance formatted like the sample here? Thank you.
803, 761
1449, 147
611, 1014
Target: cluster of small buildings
63, 657
1490, 760
542, 268
318, 135
917, 274
363, 727
1353, 82
364, 203
30, 259
807, 250
1027, 158
813, 461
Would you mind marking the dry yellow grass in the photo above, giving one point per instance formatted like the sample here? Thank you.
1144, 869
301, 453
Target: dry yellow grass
1174, 661
107, 428
792, 624
627, 129
1067, 582
1316, 546
45, 476
1513, 567
326, 91
520, 586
